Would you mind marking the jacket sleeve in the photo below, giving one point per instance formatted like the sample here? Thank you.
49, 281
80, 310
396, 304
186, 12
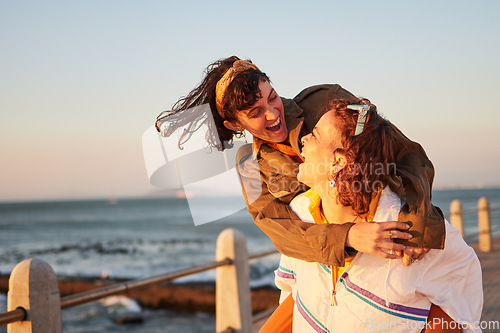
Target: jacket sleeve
268, 204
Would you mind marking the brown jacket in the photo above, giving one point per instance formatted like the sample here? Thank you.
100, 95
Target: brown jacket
269, 183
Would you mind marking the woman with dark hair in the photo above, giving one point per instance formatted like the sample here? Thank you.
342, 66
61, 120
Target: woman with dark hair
240, 94
348, 160
241, 98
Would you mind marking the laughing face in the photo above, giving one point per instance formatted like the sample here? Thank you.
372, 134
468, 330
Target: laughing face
265, 119
318, 152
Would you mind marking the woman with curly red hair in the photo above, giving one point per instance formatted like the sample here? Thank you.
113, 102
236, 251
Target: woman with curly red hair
349, 159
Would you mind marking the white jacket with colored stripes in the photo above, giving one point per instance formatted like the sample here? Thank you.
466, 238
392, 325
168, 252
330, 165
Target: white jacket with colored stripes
380, 295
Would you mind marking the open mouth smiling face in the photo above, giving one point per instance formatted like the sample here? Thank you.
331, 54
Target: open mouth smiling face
265, 119
318, 152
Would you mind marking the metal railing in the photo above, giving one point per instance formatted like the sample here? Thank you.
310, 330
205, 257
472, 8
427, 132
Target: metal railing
232, 271
94, 295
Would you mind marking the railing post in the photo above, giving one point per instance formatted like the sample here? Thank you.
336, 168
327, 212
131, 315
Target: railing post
484, 225
33, 286
456, 217
233, 307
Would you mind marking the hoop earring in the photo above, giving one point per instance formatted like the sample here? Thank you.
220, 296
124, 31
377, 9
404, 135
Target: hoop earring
332, 179
244, 135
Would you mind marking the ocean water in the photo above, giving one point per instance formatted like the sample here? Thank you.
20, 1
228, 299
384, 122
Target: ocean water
124, 239
146, 237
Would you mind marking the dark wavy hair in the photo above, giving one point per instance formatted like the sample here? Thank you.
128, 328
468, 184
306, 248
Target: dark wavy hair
370, 155
241, 94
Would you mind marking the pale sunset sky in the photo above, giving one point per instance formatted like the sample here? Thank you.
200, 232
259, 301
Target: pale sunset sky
81, 81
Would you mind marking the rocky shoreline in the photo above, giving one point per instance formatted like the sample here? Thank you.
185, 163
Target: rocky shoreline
186, 297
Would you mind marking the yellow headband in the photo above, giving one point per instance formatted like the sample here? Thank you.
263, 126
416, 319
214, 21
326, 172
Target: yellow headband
239, 66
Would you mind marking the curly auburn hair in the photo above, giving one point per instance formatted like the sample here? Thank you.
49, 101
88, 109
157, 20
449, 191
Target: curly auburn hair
370, 155
241, 94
